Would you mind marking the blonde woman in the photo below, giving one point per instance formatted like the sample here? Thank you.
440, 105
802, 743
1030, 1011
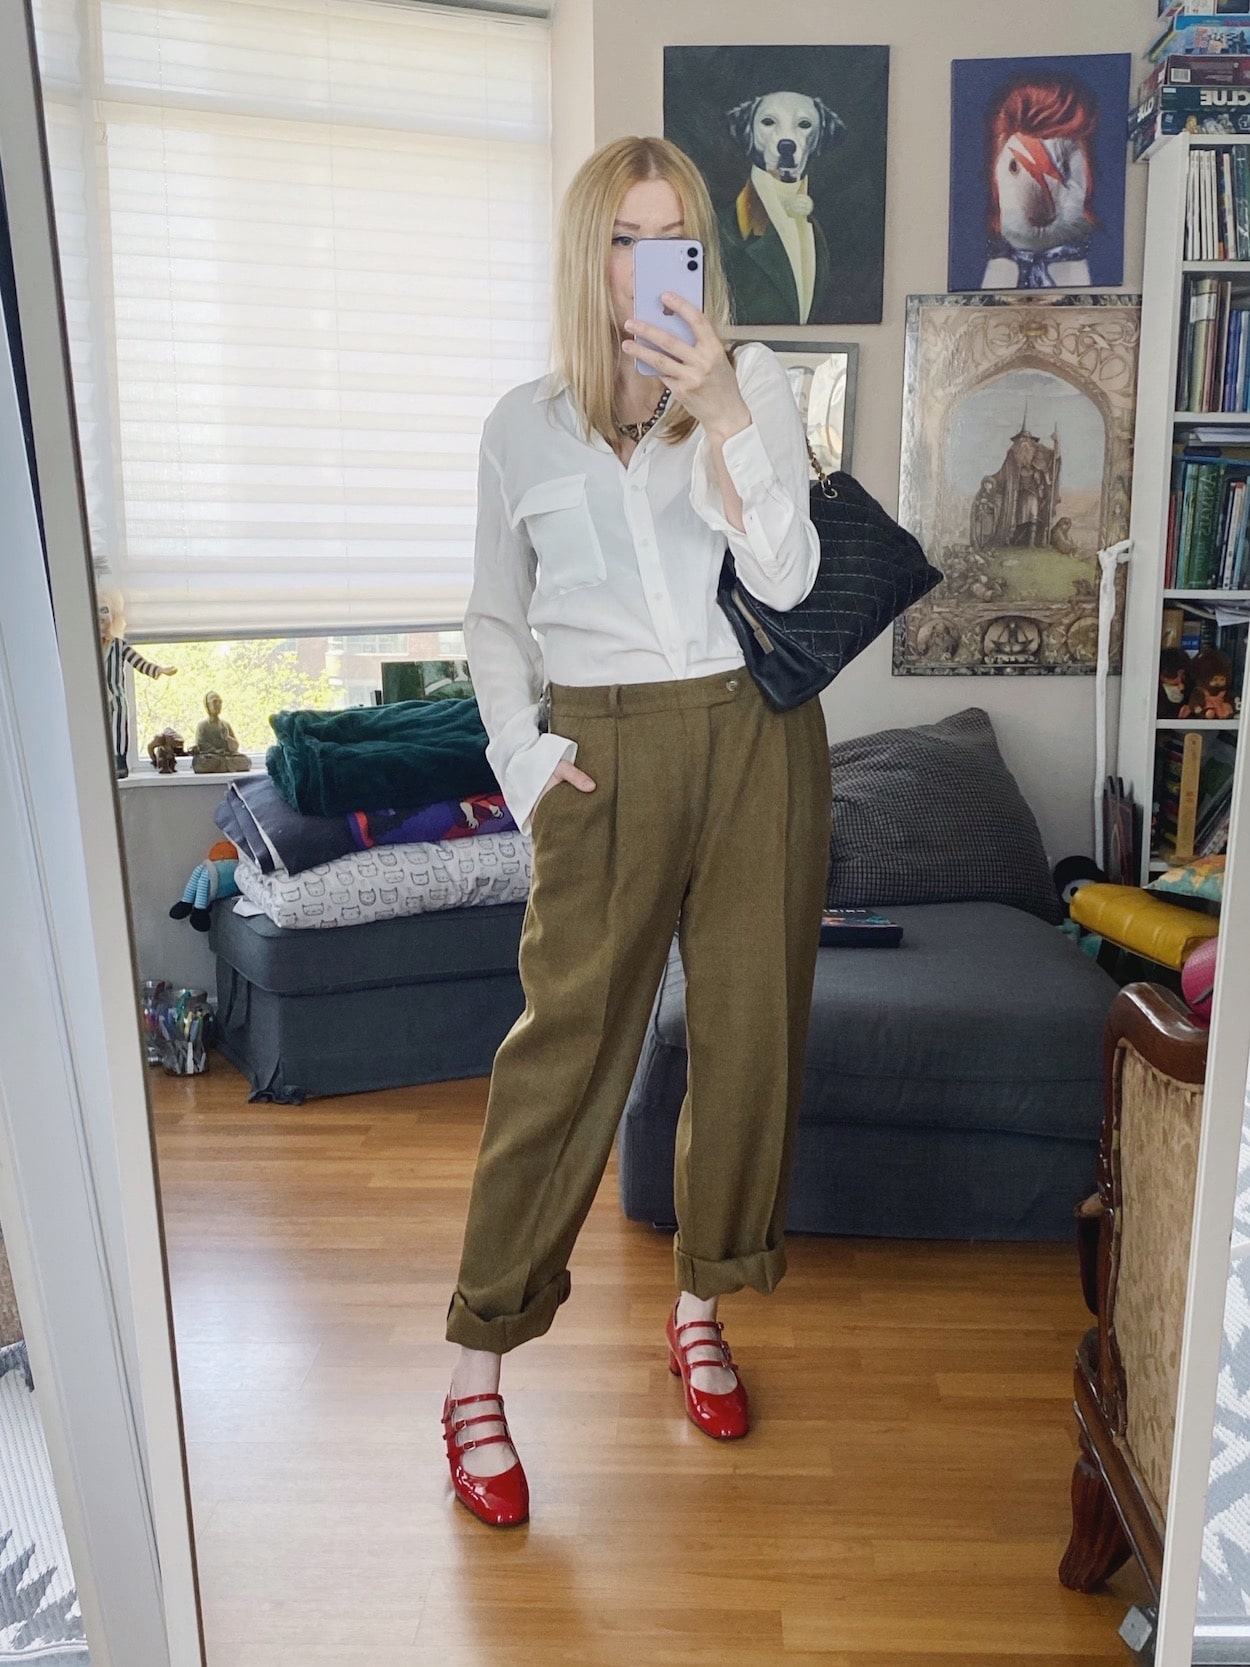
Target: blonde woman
661, 792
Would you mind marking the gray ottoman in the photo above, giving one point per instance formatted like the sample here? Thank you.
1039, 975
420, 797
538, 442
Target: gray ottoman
350, 1008
953, 1086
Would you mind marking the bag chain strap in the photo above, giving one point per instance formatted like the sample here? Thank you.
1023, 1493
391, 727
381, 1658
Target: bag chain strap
826, 480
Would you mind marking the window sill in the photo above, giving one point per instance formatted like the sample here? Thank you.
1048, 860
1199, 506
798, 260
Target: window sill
147, 777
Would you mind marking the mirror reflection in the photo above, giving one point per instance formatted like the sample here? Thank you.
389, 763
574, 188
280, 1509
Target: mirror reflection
464, 829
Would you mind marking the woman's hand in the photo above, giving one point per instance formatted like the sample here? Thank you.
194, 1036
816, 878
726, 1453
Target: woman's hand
701, 376
564, 771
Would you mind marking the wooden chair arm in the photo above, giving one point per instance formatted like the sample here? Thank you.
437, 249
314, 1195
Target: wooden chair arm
1158, 1025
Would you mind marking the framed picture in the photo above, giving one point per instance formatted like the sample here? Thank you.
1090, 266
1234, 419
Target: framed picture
1037, 172
824, 376
791, 141
1016, 464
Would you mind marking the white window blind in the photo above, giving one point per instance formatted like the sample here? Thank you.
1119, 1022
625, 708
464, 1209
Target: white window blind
305, 246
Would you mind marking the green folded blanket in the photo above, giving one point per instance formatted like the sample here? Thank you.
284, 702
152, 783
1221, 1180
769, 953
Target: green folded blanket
413, 752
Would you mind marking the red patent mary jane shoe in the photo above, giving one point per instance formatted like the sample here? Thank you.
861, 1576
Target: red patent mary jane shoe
503, 1501
724, 1416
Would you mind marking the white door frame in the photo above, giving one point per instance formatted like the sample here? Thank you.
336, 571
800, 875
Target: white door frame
78, 1188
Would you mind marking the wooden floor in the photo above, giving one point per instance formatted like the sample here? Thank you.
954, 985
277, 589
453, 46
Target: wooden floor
902, 1501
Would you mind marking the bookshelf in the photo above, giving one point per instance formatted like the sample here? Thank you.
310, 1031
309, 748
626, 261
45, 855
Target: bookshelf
1163, 430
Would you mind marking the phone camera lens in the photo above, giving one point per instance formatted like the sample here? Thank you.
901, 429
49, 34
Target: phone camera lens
692, 253
692, 266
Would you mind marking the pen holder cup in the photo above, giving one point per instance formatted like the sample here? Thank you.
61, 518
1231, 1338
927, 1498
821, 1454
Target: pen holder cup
186, 1024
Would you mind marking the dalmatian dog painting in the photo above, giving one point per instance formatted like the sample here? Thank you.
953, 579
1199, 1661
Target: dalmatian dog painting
770, 238
791, 141
1037, 172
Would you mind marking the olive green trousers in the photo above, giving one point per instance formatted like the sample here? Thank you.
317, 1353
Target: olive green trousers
710, 815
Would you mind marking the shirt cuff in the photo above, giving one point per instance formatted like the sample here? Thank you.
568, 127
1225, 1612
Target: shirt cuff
766, 510
749, 465
523, 769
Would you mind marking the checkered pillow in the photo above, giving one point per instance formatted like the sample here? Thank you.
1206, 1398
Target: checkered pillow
931, 814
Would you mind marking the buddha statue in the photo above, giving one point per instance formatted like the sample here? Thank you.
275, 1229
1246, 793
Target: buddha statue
216, 746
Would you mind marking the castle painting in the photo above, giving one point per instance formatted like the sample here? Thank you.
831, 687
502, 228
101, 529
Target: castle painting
1015, 473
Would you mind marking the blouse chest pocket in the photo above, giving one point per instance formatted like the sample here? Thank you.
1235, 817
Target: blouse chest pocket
558, 521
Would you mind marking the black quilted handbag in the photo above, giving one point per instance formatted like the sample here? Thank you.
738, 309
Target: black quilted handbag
871, 570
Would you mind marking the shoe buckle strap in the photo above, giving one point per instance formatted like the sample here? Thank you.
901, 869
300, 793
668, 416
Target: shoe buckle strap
486, 1418
483, 1441
718, 1326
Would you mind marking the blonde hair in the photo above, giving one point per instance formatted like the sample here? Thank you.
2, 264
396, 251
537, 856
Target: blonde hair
586, 339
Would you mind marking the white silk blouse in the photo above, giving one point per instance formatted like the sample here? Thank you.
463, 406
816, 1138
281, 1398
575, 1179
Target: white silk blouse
590, 571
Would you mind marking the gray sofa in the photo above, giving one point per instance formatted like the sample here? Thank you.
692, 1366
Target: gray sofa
953, 1087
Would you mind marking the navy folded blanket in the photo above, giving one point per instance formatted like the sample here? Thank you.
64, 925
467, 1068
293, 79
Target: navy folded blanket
270, 834
412, 752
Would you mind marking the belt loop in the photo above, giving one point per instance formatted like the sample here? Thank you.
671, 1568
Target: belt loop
616, 697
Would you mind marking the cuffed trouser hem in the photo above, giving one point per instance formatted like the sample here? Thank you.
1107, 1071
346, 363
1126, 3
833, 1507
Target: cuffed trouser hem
762, 1272
507, 1331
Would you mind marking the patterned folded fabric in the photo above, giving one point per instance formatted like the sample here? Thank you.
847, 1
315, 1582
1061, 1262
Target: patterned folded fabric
393, 881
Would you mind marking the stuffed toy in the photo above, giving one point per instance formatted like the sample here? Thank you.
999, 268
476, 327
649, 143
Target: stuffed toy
213, 878
1209, 695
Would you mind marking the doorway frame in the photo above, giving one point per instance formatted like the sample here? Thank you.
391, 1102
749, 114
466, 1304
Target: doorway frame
111, 1411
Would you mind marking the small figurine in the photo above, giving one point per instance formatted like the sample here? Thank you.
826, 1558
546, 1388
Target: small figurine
1212, 678
1175, 681
216, 748
116, 651
165, 750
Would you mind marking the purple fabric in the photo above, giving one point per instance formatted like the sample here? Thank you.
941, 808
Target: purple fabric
260, 822
451, 819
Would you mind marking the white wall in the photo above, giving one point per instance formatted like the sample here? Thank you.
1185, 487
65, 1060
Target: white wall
168, 827
1044, 724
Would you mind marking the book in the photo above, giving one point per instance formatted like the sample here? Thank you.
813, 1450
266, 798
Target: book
1204, 522
1202, 36
1121, 828
1149, 132
1168, 755
858, 929
1199, 8
1223, 70
1187, 801
1204, 101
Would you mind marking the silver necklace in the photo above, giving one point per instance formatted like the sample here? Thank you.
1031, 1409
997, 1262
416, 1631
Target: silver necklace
635, 431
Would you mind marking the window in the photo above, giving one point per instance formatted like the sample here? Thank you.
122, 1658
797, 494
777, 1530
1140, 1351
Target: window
258, 676
305, 249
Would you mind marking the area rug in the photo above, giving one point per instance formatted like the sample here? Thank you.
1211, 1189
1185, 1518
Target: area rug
40, 1621
1224, 1583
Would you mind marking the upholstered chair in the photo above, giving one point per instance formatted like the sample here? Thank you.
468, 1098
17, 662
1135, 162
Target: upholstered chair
1134, 1238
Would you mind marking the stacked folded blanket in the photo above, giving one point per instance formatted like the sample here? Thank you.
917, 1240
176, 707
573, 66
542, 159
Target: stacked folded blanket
413, 752
392, 881
321, 844
272, 836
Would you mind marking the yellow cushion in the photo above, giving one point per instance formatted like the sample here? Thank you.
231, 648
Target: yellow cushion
1136, 920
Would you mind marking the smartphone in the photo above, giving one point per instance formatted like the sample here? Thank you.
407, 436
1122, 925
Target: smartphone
666, 263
